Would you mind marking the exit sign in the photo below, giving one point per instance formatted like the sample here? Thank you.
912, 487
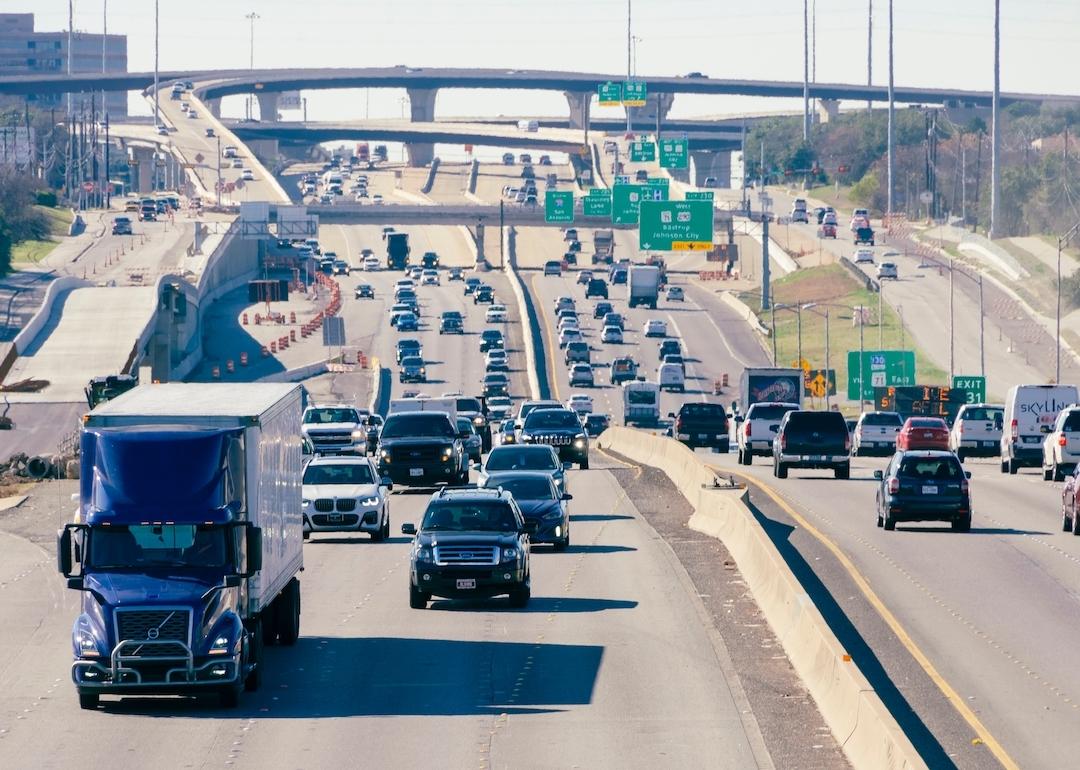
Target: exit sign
974, 387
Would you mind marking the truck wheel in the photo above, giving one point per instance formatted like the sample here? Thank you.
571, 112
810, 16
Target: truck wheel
1075, 524
890, 522
781, 471
562, 545
1047, 473
378, 535
1004, 467
1066, 522
746, 457
287, 623
1056, 473
89, 700
584, 464
724, 447
1013, 467
960, 455
520, 595
962, 525
842, 471
418, 599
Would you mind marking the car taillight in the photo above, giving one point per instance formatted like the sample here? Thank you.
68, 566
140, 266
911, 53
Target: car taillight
1061, 440
783, 442
847, 443
894, 485
960, 428
965, 486
1015, 430
747, 429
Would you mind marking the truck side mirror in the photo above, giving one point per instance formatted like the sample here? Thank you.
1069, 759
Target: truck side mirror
63, 552
253, 537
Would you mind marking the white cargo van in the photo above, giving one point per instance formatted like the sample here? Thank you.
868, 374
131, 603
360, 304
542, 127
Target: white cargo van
1030, 412
641, 403
671, 377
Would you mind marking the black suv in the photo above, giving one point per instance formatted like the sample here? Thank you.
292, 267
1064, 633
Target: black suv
602, 309
491, 339
701, 424
475, 410
807, 439
472, 542
560, 428
483, 293
422, 449
597, 287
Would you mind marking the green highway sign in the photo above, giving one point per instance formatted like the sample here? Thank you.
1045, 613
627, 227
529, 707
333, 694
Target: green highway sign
973, 386
674, 153
880, 369
654, 192
699, 195
596, 206
601, 192
622, 179
610, 94
675, 225
625, 202
658, 181
633, 93
558, 206
642, 151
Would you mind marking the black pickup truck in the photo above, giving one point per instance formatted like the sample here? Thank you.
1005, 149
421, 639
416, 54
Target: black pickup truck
422, 449
471, 543
808, 439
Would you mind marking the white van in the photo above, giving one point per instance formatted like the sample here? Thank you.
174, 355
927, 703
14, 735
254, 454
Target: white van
641, 403
1030, 412
528, 125
671, 377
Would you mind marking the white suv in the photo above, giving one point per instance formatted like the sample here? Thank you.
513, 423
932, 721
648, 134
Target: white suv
1061, 447
345, 494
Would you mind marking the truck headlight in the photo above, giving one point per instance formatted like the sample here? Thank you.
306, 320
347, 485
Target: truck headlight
447, 453
510, 554
221, 645
359, 434
86, 641
579, 443
367, 502
384, 455
423, 554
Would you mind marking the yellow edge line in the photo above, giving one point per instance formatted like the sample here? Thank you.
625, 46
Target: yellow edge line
549, 347
905, 639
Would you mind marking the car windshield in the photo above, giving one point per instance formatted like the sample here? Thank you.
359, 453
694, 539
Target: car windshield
521, 459
324, 416
1072, 422
947, 468
468, 405
704, 411
471, 516
424, 424
341, 473
412, 361
488, 334
464, 425
158, 545
642, 397
549, 419
537, 488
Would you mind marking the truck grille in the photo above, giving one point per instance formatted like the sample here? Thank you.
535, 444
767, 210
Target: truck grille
331, 439
153, 625
418, 455
466, 555
553, 439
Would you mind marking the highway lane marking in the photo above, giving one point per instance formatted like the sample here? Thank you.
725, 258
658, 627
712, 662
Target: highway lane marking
890, 620
723, 337
686, 357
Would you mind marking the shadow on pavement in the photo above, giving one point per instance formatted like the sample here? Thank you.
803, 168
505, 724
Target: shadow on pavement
851, 640
333, 677
600, 549
537, 604
600, 517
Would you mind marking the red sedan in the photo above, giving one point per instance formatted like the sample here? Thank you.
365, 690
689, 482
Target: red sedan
827, 231
923, 433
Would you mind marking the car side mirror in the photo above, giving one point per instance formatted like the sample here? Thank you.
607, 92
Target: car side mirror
1045, 428
567, 496
967, 474
879, 475
408, 528
671, 415
387, 482
63, 552
567, 466
531, 527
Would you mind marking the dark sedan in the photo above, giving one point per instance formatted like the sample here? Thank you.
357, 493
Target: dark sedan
539, 501
924, 485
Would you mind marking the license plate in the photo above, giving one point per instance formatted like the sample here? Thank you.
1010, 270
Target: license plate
466, 584
416, 471
335, 518
926, 490
986, 444
928, 435
702, 437
817, 458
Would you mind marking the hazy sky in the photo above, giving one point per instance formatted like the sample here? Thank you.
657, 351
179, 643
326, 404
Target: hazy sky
760, 39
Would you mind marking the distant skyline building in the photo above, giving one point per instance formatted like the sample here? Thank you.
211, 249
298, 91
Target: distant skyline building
24, 51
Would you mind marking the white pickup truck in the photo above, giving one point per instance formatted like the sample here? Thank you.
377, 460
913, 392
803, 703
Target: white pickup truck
875, 433
757, 429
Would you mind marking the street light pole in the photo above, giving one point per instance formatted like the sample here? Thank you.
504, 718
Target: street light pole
982, 331
251, 17
952, 333
629, 38
798, 332
862, 326
880, 317
890, 139
157, 40
806, 73
1062, 241
995, 133
827, 403
772, 332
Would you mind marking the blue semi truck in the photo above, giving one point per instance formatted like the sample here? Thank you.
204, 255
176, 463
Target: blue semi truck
187, 541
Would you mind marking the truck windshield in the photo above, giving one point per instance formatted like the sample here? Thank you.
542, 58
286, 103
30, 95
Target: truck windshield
470, 517
164, 545
330, 416
430, 424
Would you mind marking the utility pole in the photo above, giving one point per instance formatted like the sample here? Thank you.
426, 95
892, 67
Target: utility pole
952, 322
806, 73
765, 300
108, 183
870, 51
995, 138
629, 38
827, 402
70, 148
157, 36
889, 193
104, 38
251, 17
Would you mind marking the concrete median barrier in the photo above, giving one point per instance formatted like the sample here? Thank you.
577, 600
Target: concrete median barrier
744, 312
854, 712
535, 361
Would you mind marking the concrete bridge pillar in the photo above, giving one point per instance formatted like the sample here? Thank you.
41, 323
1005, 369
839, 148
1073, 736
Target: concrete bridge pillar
658, 104
214, 105
268, 102
421, 110
141, 161
827, 109
579, 108
714, 163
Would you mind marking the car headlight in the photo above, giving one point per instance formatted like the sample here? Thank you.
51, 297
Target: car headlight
478, 420
447, 452
221, 646
384, 455
423, 554
367, 502
305, 503
579, 443
510, 554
